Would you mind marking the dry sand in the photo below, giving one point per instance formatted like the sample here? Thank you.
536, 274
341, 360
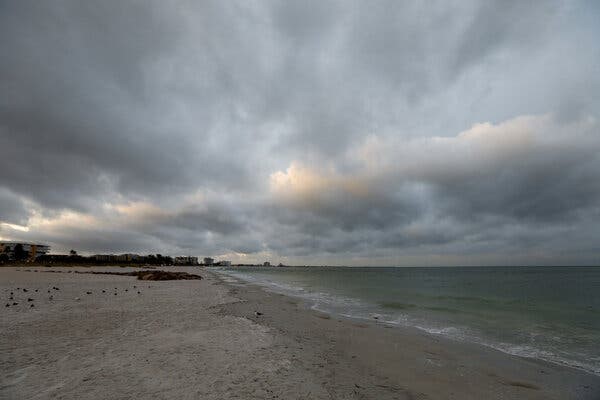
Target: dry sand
202, 340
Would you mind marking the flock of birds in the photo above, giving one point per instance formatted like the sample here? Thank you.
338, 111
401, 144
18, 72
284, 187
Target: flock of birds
13, 299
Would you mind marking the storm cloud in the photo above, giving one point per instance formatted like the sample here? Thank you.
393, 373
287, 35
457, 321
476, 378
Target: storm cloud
378, 133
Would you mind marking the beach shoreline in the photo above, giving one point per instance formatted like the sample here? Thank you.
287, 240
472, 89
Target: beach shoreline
409, 359
204, 339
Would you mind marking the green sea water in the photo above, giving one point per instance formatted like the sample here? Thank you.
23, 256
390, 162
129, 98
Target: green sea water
550, 313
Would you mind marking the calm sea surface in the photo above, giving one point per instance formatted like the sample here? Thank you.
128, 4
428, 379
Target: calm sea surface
551, 313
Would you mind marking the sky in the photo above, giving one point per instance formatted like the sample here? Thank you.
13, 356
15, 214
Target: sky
304, 132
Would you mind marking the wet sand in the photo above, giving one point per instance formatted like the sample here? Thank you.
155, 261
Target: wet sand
202, 339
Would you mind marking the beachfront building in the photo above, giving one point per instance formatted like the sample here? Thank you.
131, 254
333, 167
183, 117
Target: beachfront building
128, 257
117, 257
186, 260
22, 250
224, 263
103, 257
208, 261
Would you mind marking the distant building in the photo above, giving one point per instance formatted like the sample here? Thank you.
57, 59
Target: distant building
224, 263
23, 250
186, 260
266, 264
127, 257
208, 261
104, 257
117, 258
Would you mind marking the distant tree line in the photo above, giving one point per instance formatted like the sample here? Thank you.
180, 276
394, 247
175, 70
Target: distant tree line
74, 258
19, 254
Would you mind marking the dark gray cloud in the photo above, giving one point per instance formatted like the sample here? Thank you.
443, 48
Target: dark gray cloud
12, 209
303, 131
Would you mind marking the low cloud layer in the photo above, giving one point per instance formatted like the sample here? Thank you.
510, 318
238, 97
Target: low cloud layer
325, 132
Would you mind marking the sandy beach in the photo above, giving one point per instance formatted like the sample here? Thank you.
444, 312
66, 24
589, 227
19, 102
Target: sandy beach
203, 339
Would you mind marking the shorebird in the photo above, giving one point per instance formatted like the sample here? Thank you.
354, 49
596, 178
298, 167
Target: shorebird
88, 292
25, 290
29, 299
258, 314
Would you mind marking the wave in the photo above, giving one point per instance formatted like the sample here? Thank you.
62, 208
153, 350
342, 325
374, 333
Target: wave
398, 314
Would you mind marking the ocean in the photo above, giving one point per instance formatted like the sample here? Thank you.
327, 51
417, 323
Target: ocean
550, 313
